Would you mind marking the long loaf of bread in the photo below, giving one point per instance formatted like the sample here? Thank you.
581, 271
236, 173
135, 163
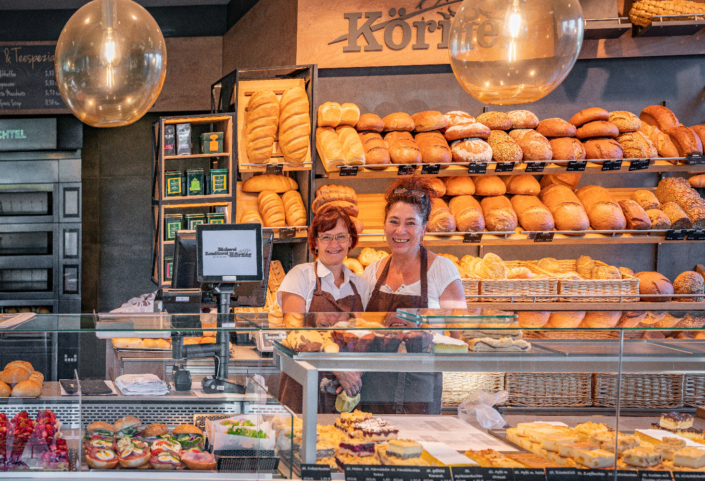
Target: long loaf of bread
603, 211
261, 125
352, 146
568, 213
275, 183
294, 209
533, 215
294, 125
333, 192
375, 149
499, 214
251, 216
467, 213
329, 148
272, 209
441, 218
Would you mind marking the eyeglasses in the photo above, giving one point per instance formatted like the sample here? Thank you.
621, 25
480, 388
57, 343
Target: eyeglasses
420, 194
327, 238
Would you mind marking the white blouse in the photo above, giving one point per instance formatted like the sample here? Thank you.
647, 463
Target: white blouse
441, 273
301, 280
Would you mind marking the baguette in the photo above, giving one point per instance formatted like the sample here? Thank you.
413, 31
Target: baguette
467, 213
262, 120
532, 214
441, 219
294, 208
375, 149
294, 125
568, 213
275, 183
602, 210
636, 216
352, 146
272, 209
329, 148
434, 147
403, 149
499, 214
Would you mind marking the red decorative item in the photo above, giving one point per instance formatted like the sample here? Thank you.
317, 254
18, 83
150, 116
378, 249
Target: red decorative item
21, 429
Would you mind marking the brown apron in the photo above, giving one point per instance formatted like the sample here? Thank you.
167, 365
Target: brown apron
291, 392
412, 392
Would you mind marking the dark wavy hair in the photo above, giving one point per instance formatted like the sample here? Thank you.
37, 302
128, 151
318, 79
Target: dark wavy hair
410, 186
325, 219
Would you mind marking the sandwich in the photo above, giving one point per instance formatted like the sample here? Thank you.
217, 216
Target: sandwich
99, 431
189, 436
166, 445
101, 458
155, 432
197, 459
133, 453
165, 455
127, 426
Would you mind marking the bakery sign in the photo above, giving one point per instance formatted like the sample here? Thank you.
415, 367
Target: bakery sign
366, 33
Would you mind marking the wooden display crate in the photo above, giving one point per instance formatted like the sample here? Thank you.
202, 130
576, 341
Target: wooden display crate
248, 201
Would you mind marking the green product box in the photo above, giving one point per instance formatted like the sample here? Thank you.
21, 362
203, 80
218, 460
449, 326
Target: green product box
216, 218
192, 220
218, 181
174, 183
172, 223
194, 182
168, 267
212, 143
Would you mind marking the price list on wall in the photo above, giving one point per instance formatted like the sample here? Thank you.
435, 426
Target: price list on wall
27, 78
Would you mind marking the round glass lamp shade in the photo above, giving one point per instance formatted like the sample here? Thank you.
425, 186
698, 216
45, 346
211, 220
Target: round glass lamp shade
110, 62
506, 52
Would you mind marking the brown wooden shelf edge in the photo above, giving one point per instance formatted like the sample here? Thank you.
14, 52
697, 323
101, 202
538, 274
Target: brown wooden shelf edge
590, 306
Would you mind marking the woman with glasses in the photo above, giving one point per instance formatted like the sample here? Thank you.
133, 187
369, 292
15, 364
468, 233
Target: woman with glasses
323, 286
411, 277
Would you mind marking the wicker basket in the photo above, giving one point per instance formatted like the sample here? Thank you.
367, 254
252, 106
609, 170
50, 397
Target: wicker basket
577, 334
457, 386
639, 390
526, 288
694, 390
566, 389
642, 11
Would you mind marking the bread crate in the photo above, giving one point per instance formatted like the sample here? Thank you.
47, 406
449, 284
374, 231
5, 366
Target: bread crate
639, 390
565, 389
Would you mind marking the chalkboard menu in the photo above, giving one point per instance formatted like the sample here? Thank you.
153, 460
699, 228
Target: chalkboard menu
27, 78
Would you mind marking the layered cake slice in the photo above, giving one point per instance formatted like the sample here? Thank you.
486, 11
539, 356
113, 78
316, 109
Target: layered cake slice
668, 447
347, 420
357, 447
373, 430
570, 450
675, 421
552, 441
596, 458
625, 442
401, 452
445, 345
643, 456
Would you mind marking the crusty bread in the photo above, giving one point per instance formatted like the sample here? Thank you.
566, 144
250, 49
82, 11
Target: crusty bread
598, 128
662, 142
646, 199
272, 182
697, 181
402, 147
589, 115
472, 130
689, 282
625, 121
349, 114
5, 390
348, 207
568, 213
569, 180
376, 152
602, 148
566, 319
685, 140
271, 208
369, 123
504, 148
567, 148
438, 186
459, 185
499, 214
679, 219
352, 146
659, 116
294, 209
329, 148
532, 319
262, 120
495, 120
602, 209
329, 114
27, 388
467, 213
429, 120
441, 219
489, 185
654, 283
532, 214
294, 125
636, 216
333, 192
534, 146
556, 128
471, 150
434, 147
456, 117
636, 145
601, 319
398, 121
524, 184
523, 119
659, 219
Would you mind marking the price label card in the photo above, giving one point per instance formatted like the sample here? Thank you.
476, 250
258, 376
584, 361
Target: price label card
627, 475
641, 164
608, 165
596, 474
348, 171
287, 233
695, 159
430, 169
655, 475
576, 166
396, 473
275, 169
561, 474
476, 168
472, 238
534, 167
689, 476
315, 472
406, 169
696, 235
543, 236
476, 473
504, 167
676, 235
529, 474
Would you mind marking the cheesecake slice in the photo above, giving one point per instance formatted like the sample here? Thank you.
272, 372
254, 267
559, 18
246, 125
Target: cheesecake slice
643, 456
570, 450
596, 458
552, 441
404, 449
689, 458
523, 428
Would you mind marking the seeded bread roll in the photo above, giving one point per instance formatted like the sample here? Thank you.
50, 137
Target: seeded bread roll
329, 114
625, 121
567, 148
534, 146
568, 213
556, 128
661, 141
471, 150
441, 218
504, 148
489, 185
659, 116
659, 219
398, 121
294, 125
275, 183
349, 114
262, 120
459, 185
495, 120
636, 216
646, 199
523, 119
602, 148
369, 123
499, 214
569, 180
589, 115
429, 120
467, 131
467, 213
403, 149
524, 184
272, 209
654, 283
689, 282
434, 147
532, 214
679, 219
685, 140
602, 210
598, 128
375, 149
352, 146
636, 145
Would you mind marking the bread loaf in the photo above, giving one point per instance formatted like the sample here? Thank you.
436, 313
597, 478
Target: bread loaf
329, 148
602, 148
459, 185
489, 185
625, 121
294, 125
467, 131
646, 199
294, 209
678, 190
524, 184
636, 216
679, 219
349, 114
429, 120
532, 214
598, 128
534, 146
471, 150
566, 319
568, 213
601, 319
467, 213
569, 180
654, 283
402, 147
441, 219
499, 214
352, 146
438, 186
567, 148
532, 319
272, 209
592, 114
329, 114
251, 216
556, 128
434, 147
685, 140
659, 116
398, 121
689, 282
369, 123
348, 207
662, 142
262, 120
495, 120
602, 210
504, 148
697, 181
275, 183
376, 152
636, 145
523, 119
457, 117
659, 219
333, 192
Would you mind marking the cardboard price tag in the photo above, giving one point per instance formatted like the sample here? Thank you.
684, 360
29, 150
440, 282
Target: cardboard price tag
275, 169
315, 472
608, 165
641, 164
430, 169
576, 166
406, 169
534, 167
348, 171
477, 168
396, 473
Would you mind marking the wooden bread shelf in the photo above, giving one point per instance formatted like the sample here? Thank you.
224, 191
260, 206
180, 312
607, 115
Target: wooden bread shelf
591, 306
248, 201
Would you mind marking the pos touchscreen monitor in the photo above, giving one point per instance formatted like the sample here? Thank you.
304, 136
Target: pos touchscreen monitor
229, 253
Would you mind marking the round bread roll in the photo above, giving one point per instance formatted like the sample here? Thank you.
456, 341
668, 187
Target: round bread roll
459, 185
636, 145
4, 390
567, 148
556, 128
14, 375
504, 148
566, 319
605, 273
523, 119
659, 116
601, 319
520, 272
27, 389
381, 255
659, 219
589, 115
598, 128
532, 319
398, 121
471, 150
689, 282
534, 146
625, 121
654, 283
367, 256
602, 148
495, 120
631, 318
456, 117
39, 377
524, 184
489, 185
467, 131
369, 123
549, 264
22, 364
354, 265
697, 181
626, 272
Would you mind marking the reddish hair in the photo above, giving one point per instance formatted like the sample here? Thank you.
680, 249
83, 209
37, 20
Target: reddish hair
412, 183
325, 219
